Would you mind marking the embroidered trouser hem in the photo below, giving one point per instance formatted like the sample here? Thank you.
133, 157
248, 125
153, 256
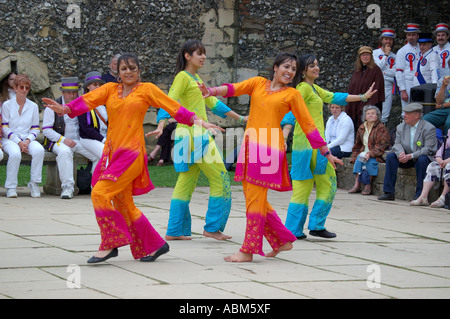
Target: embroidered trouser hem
122, 223
262, 221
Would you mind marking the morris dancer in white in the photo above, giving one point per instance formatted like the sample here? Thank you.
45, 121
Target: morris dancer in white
427, 61
442, 50
62, 137
385, 59
406, 61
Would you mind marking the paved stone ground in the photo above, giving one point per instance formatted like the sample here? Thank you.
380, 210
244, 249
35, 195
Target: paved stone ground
45, 243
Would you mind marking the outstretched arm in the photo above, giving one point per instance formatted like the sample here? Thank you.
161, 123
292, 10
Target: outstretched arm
362, 97
213, 91
56, 107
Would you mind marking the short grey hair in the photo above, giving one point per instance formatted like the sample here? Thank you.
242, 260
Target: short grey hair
370, 107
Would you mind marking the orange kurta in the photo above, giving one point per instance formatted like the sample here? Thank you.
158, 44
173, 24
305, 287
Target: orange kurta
262, 159
122, 171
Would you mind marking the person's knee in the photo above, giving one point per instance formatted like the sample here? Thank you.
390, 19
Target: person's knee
391, 158
15, 155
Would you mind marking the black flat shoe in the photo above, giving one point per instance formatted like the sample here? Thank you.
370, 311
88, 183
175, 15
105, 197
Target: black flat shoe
163, 250
303, 236
322, 233
387, 196
94, 260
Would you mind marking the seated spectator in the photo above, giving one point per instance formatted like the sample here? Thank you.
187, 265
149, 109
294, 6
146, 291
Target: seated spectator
441, 115
62, 137
440, 166
20, 124
93, 124
166, 125
372, 139
415, 145
339, 132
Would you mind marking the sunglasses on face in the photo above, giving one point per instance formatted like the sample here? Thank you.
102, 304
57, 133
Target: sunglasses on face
23, 87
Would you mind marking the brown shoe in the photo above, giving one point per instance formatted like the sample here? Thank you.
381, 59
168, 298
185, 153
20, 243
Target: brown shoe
367, 190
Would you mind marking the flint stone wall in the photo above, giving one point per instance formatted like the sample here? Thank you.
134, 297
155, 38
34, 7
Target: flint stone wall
73, 37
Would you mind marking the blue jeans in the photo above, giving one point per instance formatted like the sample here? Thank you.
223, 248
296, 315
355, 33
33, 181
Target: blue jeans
392, 165
336, 151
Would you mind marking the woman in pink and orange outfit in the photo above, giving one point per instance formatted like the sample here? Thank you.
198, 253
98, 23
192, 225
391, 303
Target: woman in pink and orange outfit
262, 163
122, 171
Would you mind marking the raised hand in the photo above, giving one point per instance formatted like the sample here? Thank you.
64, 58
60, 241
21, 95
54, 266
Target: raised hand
205, 92
157, 132
371, 91
55, 106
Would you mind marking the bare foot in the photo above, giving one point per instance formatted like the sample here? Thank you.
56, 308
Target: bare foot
216, 235
239, 257
285, 247
167, 237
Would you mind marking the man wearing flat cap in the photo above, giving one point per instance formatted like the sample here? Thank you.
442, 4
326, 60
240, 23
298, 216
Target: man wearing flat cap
415, 146
62, 137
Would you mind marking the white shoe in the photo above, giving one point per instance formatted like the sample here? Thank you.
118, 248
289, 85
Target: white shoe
67, 193
419, 202
35, 192
11, 193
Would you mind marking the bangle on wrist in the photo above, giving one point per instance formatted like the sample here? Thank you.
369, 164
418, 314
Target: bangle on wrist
327, 152
213, 91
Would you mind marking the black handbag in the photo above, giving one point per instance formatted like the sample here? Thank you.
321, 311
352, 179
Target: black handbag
84, 179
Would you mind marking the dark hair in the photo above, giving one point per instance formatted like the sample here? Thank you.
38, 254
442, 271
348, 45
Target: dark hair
280, 59
190, 46
127, 57
304, 61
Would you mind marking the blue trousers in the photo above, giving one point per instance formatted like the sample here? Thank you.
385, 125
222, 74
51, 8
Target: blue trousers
392, 165
438, 118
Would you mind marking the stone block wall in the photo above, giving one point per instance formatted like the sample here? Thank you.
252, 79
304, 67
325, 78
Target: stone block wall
242, 37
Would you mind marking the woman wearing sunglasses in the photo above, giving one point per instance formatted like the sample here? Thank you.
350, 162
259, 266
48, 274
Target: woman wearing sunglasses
20, 125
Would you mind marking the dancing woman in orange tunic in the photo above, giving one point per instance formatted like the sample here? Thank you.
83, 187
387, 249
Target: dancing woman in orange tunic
262, 163
122, 171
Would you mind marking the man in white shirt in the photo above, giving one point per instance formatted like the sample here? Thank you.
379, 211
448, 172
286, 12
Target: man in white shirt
427, 61
442, 51
385, 59
62, 137
406, 61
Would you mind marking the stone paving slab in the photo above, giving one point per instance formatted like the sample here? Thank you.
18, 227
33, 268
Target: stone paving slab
44, 242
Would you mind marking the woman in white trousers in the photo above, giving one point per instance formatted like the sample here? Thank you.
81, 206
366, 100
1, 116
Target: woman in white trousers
20, 125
